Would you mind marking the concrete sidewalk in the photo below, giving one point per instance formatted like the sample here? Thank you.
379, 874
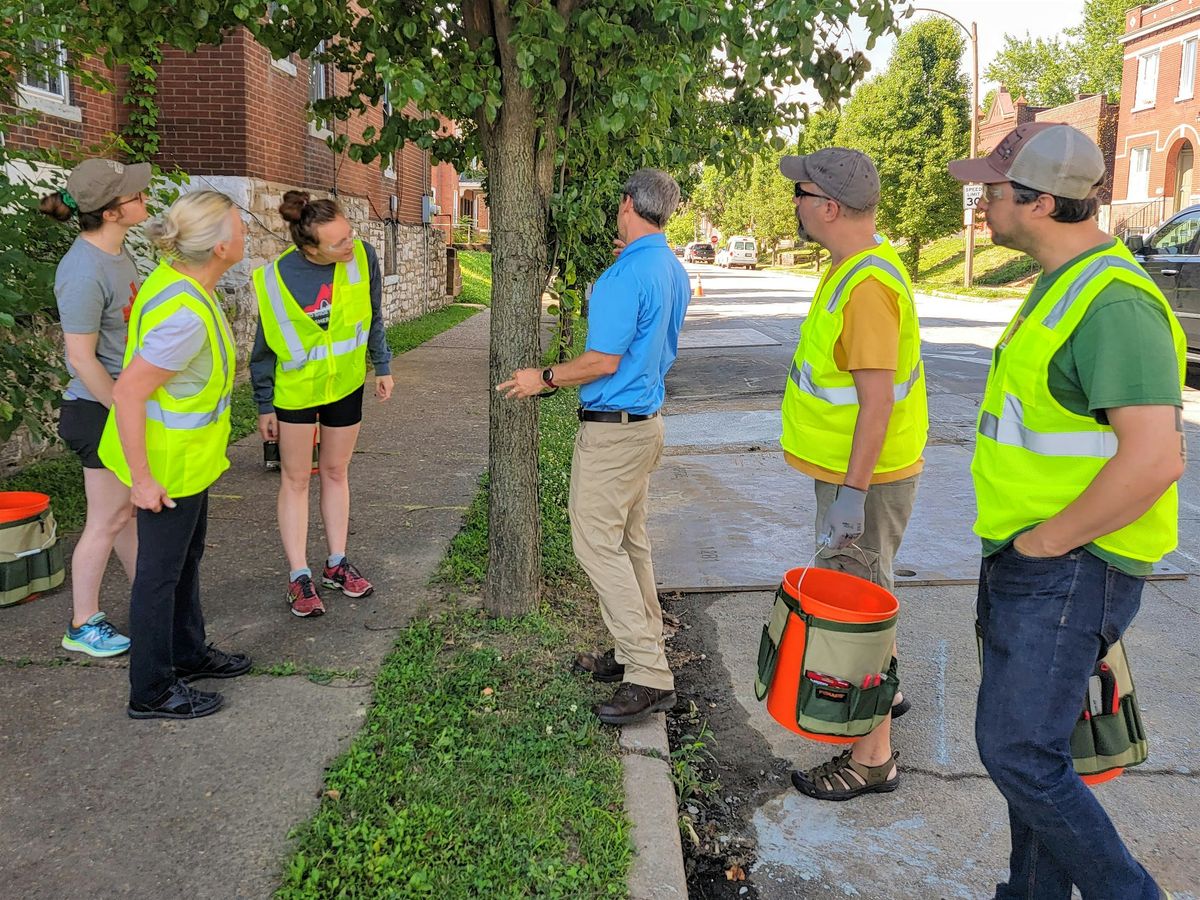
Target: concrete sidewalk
95, 804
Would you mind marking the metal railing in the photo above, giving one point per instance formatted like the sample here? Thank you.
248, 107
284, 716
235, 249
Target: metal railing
1140, 220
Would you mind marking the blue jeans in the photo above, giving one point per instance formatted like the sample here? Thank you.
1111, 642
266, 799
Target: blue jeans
1045, 623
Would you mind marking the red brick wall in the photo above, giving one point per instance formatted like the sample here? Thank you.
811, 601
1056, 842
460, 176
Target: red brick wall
1097, 118
100, 117
1164, 127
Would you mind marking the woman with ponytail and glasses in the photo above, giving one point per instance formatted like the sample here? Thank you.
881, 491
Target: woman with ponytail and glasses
320, 317
95, 286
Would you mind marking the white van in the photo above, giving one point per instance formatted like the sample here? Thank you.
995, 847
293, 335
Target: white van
740, 250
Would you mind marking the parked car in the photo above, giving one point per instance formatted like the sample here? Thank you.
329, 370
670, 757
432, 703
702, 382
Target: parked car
679, 248
699, 251
741, 250
1171, 255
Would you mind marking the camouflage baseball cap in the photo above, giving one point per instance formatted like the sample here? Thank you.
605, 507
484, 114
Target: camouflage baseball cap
95, 183
848, 176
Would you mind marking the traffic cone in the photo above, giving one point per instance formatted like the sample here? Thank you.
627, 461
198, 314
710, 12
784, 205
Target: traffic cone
699, 287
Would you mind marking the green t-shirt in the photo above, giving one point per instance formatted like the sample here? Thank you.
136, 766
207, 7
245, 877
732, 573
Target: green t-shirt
1120, 354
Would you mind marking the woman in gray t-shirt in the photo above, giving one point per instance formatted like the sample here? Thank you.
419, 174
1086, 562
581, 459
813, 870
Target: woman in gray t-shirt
95, 285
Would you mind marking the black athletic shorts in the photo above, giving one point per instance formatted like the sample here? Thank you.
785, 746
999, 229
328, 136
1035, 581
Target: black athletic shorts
338, 414
80, 424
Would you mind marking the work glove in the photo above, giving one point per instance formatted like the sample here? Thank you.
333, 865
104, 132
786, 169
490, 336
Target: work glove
845, 520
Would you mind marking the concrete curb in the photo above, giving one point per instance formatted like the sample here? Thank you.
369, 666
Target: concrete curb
650, 802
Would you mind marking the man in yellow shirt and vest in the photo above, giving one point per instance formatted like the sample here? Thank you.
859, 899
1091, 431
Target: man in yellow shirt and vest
855, 417
1078, 449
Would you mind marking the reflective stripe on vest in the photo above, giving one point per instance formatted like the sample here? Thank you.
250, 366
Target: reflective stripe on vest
845, 396
874, 262
184, 421
1010, 428
321, 351
183, 287
1094, 268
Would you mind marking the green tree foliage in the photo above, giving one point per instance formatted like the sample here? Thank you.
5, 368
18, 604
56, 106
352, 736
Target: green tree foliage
819, 131
1049, 71
912, 120
561, 101
1042, 70
682, 227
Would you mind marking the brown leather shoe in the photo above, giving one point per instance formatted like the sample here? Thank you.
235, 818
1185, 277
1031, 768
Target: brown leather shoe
632, 703
601, 666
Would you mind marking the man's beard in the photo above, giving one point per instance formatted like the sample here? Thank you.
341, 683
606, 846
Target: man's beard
801, 233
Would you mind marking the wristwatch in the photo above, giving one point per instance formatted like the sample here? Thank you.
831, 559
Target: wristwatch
548, 377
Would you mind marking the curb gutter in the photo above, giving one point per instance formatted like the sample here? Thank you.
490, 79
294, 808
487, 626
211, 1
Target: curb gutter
657, 870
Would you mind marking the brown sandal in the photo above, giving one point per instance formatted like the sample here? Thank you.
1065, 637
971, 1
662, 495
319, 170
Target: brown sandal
843, 779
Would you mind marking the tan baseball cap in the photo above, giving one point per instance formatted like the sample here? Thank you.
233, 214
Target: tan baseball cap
848, 176
95, 183
1046, 156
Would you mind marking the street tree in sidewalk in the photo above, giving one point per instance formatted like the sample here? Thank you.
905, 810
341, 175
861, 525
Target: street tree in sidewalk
912, 120
562, 100
681, 230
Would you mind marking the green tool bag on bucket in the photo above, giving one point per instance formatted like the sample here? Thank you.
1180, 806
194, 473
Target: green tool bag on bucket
825, 673
31, 560
1109, 735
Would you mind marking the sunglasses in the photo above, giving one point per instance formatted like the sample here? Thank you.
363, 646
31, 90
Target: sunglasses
801, 192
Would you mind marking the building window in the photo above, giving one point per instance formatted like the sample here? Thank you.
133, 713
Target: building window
1147, 81
318, 76
51, 76
1139, 174
1187, 71
466, 208
390, 241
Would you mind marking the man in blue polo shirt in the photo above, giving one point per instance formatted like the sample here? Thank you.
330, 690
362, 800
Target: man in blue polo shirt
636, 311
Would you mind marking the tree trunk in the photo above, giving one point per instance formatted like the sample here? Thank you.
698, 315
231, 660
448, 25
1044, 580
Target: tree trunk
519, 248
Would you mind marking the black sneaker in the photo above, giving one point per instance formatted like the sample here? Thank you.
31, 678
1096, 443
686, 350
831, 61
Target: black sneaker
180, 701
216, 664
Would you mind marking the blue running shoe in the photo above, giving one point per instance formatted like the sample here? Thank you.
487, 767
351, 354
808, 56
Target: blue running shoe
96, 637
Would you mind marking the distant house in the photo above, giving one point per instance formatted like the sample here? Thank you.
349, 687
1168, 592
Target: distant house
1090, 113
1157, 132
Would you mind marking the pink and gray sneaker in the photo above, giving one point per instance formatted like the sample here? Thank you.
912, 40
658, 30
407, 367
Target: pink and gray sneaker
346, 579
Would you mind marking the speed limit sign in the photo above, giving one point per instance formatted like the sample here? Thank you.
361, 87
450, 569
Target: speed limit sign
971, 195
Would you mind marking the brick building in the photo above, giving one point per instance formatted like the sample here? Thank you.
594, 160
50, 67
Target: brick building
236, 120
1157, 132
1090, 113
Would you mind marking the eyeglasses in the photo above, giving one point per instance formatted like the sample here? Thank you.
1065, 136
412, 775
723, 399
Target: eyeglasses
139, 197
993, 191
341, 246
801, 192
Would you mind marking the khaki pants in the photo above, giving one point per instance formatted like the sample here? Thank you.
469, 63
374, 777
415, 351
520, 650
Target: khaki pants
610, 479
872, 555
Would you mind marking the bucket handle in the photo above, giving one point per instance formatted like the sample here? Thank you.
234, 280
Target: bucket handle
822, 546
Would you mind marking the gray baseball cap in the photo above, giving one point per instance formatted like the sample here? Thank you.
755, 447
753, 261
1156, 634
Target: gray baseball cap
95, 183
848, 176
1046, 156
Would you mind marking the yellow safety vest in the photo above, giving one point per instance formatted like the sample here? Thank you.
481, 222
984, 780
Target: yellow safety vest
1033, 457
315, 365
820, 402
186, 437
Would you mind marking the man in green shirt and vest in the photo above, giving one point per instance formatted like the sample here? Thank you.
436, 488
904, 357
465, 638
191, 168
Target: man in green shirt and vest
1079, 446
855, 417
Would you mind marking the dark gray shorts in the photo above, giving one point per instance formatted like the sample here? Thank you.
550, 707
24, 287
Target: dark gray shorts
80, 424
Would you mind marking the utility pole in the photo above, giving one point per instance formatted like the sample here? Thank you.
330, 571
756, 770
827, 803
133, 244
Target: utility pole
972, 34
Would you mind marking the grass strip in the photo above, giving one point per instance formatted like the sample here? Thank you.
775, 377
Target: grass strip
476, 267
62, 476
481, 771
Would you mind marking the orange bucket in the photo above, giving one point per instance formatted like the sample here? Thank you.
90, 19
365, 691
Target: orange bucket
18, 505
827, 594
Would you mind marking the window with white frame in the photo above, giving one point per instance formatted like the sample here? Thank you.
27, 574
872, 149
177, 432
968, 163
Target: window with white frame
1147, 81
1139, 174
1187, 71
50, 76
318, 76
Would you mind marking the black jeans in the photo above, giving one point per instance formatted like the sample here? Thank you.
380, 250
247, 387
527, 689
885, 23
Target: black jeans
166, 627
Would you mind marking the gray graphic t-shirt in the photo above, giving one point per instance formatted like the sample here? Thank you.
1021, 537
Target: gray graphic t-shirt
95, 291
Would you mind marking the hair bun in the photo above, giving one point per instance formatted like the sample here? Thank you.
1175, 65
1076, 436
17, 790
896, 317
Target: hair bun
293, 205
163, 232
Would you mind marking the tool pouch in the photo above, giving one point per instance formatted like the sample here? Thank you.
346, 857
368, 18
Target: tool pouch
31, 559
1115, 738
847, 651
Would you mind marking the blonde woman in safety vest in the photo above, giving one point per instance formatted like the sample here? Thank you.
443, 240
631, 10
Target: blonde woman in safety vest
166, 437
854, 412
1078, 450
319, 315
